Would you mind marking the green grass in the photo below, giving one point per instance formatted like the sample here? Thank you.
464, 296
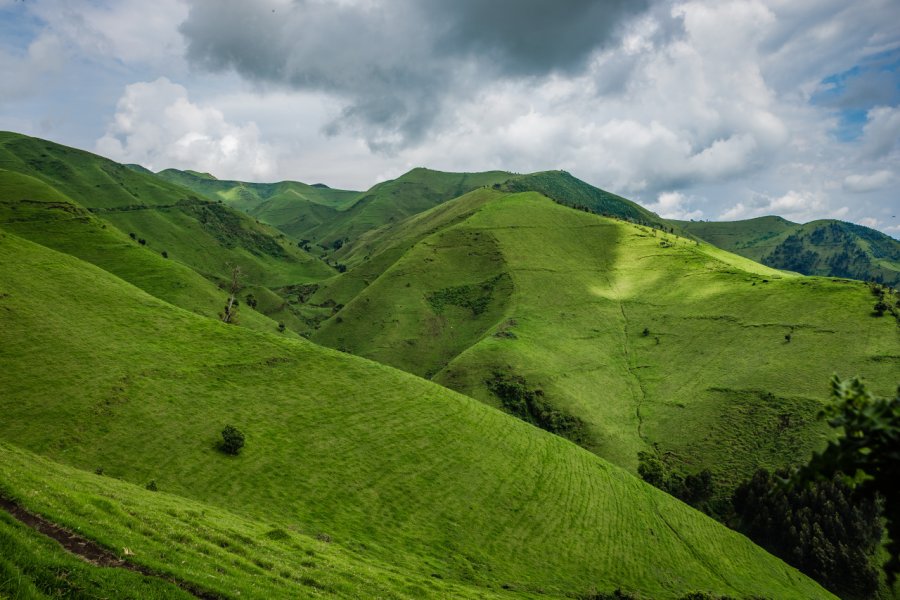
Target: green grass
32, 209
582, 290
826, 247
35, 567
411, 482
191, 229
87, 206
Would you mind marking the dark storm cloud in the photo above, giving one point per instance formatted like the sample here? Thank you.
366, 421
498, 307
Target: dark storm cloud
397, 63
529, 37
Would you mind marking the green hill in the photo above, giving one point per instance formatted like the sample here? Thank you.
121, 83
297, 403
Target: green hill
324, 215
565, 189
356, 480
618, 336
827, 247
200, 233
293, 207
97, 210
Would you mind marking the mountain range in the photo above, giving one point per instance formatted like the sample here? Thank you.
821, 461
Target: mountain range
445, 382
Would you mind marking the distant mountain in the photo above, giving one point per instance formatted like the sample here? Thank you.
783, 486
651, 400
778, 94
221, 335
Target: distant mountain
826, 247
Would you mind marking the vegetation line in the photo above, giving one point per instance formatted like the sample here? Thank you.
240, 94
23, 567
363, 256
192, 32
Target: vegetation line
91, 551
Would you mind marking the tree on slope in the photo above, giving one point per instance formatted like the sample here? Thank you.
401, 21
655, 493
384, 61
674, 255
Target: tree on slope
867, 452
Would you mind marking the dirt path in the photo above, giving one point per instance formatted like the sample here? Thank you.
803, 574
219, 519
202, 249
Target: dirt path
90, 551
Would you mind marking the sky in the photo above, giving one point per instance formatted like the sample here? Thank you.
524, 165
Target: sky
713, 110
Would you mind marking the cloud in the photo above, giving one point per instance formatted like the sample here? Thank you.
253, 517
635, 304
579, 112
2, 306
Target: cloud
795, 205
156, 125
870, 182
881, 133
130, 31
672, 205
396, 65
28, 72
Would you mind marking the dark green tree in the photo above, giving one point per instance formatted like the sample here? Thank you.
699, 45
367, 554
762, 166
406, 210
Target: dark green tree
867, 452
232, 440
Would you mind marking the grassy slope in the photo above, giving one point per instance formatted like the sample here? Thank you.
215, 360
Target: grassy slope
395, 469
569, 314
570, 191
199, 233
293, 207
826, 247
32, 209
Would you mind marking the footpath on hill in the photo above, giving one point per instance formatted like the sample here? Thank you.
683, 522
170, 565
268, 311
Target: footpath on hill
91, 551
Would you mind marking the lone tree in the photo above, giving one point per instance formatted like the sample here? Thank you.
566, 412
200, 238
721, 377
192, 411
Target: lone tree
231, 307
232, 440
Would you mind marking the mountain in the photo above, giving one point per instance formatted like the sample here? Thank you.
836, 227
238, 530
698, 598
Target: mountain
356, 479
330, 217
826, 247
162, 237
621, 337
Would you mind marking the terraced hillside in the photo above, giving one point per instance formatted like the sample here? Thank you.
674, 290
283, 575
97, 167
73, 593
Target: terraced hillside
826, 247
356, 479
189, 244
618, 336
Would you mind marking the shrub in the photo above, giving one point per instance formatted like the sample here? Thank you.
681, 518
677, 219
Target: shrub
165, 254
281, 327
232, 440
151, 485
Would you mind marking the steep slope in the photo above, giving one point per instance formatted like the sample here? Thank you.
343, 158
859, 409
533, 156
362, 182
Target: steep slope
394, 469
826, 247
32, 209
617, 336
565, 189
200, 233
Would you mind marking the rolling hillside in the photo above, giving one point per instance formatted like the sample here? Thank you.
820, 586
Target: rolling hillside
97, 210
618, 336
356, 479
826, 247
332, 217
295, 208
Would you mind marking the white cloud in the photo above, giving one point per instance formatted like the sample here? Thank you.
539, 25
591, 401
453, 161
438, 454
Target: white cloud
869, 182
673, 205
26, 73
881, 133
130, 31
156, 125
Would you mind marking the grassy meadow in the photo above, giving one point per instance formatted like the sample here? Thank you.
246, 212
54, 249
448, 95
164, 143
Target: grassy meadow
392, 469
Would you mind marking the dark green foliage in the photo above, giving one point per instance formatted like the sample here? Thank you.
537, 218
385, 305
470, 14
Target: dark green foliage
824, 529
531, 406
475, 297
151, 485
232, 440
132, 235
142, 242
616, 595
645, 332
567, 190
165, 254
694, 489
251, 301
281, 327
868, 450
227, 227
